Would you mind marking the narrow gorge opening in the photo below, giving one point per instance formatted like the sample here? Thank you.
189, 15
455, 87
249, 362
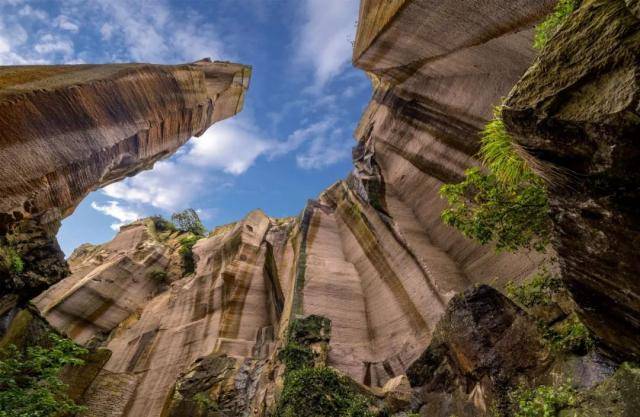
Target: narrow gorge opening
470, 254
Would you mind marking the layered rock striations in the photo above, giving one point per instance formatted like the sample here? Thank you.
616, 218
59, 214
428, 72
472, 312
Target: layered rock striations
370, 254
68, 130
577, 113
199, 331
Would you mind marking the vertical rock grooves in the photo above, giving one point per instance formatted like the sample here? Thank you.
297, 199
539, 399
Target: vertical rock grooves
577, 112
110, 121
371, 253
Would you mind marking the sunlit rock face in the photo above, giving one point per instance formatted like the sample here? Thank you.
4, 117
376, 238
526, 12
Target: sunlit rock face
577, 112
370, 253
110, 121
157, 329
68, 130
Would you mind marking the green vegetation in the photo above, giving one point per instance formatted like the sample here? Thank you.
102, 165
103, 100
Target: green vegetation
162, 225
508, 205
499, 154
310, 390
320, 392
512, 215
10, 260
158, 276
186, 251
188, 221
30, 385
543, 401
205, 403
569, 336
546, 29
296, 356
539, 290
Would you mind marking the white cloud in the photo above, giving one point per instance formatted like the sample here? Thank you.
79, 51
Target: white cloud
113, 209
169, 186
51, 44
152, 33
106, 30
28, 11
324, 41
64, 23
328, 145
231, 146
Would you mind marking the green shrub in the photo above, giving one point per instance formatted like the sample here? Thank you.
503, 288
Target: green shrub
10, 260
186, 251
162, 225
498, 152
189, 221
158, 276
205, 403
296, 356
546, 29
320, 392
513, 216
543, 401
508, 205
570, 336
539, 290
29, 381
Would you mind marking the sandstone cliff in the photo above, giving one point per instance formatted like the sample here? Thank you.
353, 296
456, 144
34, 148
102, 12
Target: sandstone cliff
370, 253
109, 122
577, 112
382, 287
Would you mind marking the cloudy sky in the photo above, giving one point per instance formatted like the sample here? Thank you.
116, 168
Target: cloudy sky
293, 138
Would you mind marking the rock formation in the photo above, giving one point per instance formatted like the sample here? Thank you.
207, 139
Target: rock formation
110, 121
199, 331
577, 112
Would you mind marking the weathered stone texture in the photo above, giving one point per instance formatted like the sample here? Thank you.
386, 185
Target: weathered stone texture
577, 112
110, 121
110, 394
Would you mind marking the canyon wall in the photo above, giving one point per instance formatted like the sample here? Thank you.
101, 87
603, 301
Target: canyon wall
577, 112
68, 130
369, 260
370, 253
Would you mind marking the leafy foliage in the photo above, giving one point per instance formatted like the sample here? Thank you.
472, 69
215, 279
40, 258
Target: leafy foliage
29, 381
543, 401
320, 392
10, 260
296, 356
539, 290
158, 276
162, 225
570, 336
189, 221
498, 152
508, 205
546, 29
513, 215
186, 251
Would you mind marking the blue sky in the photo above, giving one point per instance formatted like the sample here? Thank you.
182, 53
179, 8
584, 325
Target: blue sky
291, 141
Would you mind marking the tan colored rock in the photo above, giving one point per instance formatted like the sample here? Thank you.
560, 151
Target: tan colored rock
397, 393
371, 253
110, 121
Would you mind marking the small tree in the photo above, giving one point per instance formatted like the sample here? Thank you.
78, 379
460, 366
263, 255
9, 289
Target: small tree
30, 385
189, 221
508, 205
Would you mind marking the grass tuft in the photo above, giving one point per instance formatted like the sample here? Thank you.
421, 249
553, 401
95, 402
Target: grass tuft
546, 29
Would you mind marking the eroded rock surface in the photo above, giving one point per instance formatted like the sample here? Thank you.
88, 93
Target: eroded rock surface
370, 254
68, 130
577, 112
